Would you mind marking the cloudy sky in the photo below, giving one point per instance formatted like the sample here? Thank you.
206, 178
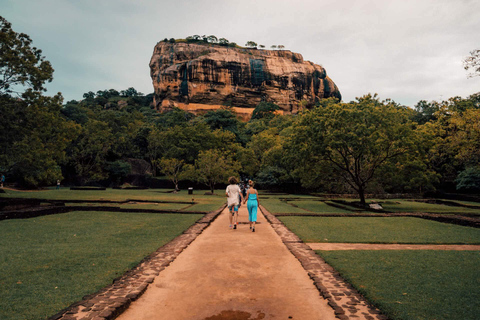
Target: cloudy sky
401, 49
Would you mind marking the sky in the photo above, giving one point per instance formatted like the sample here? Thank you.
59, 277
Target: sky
402, 50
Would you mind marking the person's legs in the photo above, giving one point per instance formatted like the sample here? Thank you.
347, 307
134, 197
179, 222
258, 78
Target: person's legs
235, 217
230, 216
254, 216
249, 207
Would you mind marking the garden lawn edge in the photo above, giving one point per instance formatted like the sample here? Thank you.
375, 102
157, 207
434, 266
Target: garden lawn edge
111, 301
346, 301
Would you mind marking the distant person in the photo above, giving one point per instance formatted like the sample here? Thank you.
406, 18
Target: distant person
252, 204
2, 180
58, 184
234, 197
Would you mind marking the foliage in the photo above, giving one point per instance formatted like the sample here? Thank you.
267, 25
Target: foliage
20, 63
213, 167
118, 170
34, 138
264, 110
173, 169
355, 140
89, 152
472, 63
469, 180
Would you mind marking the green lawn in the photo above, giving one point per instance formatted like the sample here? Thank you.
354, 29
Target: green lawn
412, 285
319, 207
276, 206
380, 230
203, 202
414, 206
49, 262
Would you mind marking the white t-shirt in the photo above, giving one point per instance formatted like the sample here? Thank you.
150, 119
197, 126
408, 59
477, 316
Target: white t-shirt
233, 192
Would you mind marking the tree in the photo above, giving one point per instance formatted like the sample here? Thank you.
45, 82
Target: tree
118, 171
355, 140
20, 63
273, 47
251, 44
281, 46
472, 63
264, 110
130, 92
88, 154
34, 138
262, 46
425, 111
212, 39
89, 95
173, 169
213, 167
469, 180
223, 41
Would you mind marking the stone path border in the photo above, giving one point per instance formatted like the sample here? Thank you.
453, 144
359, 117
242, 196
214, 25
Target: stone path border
347, 302
395, 246
112, 300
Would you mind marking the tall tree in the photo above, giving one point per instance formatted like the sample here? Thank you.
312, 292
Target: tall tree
20, 63
88, 153
212, 167
354, 139
173, 169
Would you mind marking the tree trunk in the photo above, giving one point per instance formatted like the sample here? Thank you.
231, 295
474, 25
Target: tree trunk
212, 187
361, 194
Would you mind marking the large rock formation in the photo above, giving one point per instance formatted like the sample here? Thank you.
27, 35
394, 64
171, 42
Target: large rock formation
200, 77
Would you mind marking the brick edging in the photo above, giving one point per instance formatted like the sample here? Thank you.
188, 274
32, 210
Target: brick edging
109, 302
345, 300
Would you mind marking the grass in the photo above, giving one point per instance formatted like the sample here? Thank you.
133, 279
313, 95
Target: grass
411, 285
49, 262
380, 230
413, 206
204, 202
319, 207
276, 206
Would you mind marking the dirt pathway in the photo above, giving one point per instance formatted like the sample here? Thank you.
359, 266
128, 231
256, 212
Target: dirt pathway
232, 274
374, 246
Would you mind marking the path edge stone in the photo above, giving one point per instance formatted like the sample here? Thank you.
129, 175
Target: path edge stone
111, 301
341, 296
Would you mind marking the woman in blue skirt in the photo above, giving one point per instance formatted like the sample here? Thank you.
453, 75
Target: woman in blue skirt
252, 204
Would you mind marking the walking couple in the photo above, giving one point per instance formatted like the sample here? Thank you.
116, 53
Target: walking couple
235, 197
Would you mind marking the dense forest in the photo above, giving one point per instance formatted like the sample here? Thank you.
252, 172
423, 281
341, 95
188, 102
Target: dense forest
115, 137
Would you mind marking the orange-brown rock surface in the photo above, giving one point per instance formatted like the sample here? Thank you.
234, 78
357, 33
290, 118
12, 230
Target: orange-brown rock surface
200, 77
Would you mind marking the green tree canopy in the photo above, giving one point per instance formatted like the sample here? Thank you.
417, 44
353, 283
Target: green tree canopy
20, 63
213, 167
354, 139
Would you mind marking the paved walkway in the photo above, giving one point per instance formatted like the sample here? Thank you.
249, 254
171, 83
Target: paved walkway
232, 274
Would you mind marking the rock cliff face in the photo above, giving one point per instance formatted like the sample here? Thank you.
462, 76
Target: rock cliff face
201, 77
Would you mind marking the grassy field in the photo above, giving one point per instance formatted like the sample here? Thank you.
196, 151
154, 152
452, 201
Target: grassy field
319, 207
413, 206
412, 285
203, 202
52, 261
380, 230
49, 262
